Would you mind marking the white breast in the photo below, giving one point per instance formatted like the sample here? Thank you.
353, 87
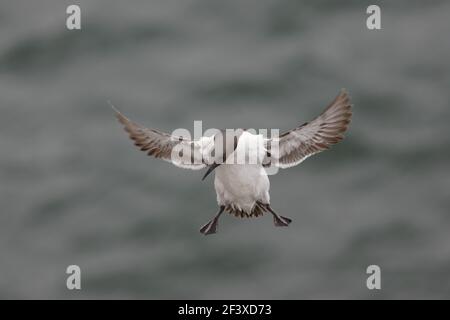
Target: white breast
241, 185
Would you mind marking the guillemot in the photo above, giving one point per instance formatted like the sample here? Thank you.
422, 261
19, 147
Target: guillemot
239, 158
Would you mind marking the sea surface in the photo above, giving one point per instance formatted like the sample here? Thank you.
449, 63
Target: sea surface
74, 190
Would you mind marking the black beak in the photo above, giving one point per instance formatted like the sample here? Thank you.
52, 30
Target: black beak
210, 169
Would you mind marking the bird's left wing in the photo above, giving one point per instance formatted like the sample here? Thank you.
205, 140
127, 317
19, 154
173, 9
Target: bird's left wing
294, 146
182, 152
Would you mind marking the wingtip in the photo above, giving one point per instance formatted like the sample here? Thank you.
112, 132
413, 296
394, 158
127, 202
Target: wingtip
120, 117
345, 95
113, 107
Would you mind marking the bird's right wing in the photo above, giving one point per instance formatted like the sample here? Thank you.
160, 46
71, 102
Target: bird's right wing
184, 153
294, 146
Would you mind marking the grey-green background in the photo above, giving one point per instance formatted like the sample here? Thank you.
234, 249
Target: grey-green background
73, 190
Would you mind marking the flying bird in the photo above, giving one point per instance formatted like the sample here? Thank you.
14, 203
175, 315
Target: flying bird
239, 158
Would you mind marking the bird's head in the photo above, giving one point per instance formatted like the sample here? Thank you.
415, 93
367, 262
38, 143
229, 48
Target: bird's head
223, 146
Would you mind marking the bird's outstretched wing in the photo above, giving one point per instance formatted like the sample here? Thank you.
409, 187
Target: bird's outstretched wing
182, 152
294, 146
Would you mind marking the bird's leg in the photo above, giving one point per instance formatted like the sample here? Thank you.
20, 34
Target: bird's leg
278, 220
211, 226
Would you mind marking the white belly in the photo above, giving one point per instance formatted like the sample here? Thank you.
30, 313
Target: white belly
241, 185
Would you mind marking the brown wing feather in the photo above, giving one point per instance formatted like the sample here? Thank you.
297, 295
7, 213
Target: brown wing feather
160, 144
315, 136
